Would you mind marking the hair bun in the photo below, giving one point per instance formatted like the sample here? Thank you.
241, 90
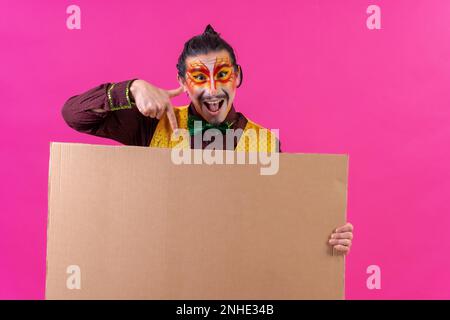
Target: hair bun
210, 30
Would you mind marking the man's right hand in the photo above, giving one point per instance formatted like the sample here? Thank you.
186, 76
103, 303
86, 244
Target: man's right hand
154, 102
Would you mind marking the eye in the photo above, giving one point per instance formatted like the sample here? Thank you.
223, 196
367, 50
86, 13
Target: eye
222, 74
199, 77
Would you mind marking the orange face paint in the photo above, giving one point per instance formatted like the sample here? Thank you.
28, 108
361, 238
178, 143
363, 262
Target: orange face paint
199, 74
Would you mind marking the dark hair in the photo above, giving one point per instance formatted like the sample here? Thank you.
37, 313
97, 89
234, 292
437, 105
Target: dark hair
208, 41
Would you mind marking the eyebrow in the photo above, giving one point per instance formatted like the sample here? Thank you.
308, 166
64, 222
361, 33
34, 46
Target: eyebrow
198, 69
223, 64
198, 66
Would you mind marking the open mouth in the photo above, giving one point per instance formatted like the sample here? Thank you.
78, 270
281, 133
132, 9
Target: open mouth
213, 106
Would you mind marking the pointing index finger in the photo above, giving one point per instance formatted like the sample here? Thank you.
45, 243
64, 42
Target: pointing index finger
172, 118
175, 92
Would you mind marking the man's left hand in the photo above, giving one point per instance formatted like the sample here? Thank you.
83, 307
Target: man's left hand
341, 239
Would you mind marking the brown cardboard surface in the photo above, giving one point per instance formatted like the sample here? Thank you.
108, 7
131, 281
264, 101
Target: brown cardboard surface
141, 227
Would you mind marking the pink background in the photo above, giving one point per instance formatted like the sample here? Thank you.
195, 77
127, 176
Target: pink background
312, 69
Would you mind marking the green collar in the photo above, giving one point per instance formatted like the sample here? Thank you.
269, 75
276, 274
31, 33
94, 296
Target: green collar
197, 125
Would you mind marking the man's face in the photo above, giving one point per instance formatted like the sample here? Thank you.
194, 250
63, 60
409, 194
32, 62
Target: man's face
211, 83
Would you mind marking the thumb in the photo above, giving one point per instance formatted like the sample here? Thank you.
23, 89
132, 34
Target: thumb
175, 92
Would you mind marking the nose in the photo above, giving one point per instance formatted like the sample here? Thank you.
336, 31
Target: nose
212, 87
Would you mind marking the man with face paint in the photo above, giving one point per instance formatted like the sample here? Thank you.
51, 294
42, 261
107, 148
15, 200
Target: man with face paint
135, 112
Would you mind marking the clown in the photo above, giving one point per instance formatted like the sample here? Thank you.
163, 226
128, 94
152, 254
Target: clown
135, 112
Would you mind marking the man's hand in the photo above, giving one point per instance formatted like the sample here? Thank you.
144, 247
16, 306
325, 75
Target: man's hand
341, 239
154, 102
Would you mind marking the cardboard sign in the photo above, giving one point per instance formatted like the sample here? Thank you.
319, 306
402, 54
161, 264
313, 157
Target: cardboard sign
127, 223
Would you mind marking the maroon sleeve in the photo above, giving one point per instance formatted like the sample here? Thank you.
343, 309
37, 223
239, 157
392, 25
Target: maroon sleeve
108, 111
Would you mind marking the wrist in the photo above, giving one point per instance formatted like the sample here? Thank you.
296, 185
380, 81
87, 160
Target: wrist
134, 86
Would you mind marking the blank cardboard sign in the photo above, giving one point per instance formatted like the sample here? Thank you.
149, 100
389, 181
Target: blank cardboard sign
127, 223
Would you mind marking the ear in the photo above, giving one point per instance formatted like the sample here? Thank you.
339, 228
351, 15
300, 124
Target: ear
240, 76
182, 82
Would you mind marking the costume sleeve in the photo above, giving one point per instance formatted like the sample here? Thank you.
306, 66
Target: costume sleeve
108, 111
